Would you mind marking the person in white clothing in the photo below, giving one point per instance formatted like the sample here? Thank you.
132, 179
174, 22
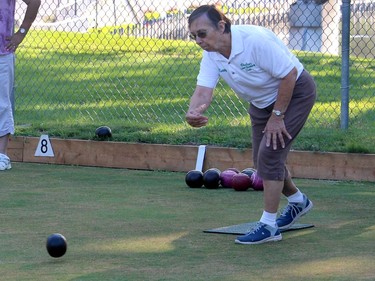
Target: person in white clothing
261, 70
9, 41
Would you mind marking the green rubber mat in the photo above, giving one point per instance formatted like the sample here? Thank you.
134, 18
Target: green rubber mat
239, 229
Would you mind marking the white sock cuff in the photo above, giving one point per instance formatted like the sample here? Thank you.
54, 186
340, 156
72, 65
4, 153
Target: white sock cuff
296, 197
269, 218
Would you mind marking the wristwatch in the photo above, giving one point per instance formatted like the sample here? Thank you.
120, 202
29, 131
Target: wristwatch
22, 30
278, 113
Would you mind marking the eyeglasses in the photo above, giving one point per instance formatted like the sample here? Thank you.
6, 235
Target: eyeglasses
201, 34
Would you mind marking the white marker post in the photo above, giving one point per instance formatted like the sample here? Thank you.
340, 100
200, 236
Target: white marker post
200, 158
44, 147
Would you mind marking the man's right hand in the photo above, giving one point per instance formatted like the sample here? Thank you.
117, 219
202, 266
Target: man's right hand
195, 117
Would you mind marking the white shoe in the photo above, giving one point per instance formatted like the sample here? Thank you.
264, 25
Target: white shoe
4, 162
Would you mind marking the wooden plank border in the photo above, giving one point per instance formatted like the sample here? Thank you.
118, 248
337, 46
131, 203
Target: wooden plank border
181, 158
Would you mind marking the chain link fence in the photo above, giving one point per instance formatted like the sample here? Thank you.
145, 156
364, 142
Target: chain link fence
131, 63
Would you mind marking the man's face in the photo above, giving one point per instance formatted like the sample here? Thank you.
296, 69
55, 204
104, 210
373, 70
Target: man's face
205, 34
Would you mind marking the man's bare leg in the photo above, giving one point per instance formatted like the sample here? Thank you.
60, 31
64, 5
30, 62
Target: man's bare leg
4, 144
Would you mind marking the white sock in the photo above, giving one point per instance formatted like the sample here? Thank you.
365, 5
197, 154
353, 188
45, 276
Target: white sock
296, 197
269, 218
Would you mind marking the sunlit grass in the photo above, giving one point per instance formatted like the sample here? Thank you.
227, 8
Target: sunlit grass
335, 268
145, 244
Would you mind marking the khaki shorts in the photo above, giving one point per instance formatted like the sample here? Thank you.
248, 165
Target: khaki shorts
6, 94
270, 163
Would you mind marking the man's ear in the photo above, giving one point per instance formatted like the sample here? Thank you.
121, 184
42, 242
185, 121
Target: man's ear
221, 25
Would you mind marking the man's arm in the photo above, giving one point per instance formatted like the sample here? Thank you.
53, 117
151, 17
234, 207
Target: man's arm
275, 128
285, 91
30, 15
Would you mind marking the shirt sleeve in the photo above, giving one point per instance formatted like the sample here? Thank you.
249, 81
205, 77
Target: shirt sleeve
209, 72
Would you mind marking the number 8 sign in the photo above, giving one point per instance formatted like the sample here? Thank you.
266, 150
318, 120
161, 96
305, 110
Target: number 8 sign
44, 147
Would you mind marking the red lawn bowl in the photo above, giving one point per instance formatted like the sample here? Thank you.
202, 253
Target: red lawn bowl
241, 182
234, 169
226, 178
257, 181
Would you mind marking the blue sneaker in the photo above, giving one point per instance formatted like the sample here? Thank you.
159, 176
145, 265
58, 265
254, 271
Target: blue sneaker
260, 234
292, 212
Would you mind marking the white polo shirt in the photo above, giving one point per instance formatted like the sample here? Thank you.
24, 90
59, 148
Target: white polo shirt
257, 63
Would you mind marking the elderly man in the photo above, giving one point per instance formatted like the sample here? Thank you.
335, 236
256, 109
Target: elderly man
261, 70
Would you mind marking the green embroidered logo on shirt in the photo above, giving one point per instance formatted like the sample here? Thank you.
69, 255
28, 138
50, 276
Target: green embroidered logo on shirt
247, 66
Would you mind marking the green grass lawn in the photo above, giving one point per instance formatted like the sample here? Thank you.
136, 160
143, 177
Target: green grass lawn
67, 84
147, 225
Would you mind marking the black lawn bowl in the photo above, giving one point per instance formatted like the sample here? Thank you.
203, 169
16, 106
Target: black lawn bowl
194, 179
56, 245
103, 132
211, 178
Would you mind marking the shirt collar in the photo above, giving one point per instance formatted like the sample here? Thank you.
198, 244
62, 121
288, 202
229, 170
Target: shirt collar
237, 45
237, 42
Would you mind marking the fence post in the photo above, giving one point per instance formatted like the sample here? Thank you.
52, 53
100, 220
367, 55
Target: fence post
345, 8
